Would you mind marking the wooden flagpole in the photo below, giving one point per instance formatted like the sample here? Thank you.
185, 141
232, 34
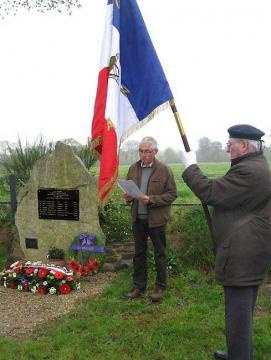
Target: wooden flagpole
187, 149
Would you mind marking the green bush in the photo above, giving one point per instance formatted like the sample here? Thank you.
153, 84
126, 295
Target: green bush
115, 221
3, 258
5, 210
196, 247
174, 264
21, 159
86, 154
56, 253
6, 216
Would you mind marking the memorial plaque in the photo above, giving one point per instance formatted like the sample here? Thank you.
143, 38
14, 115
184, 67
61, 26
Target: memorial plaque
31, 243
58, 204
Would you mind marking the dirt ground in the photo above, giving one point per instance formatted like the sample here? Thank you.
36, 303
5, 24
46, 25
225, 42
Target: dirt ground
21, 312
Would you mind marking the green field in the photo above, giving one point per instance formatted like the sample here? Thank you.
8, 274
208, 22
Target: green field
185, 195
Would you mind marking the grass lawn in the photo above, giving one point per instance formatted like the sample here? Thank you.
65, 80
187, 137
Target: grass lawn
185, 195
187, 325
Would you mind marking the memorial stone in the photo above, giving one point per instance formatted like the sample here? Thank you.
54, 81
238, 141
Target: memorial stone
57, 204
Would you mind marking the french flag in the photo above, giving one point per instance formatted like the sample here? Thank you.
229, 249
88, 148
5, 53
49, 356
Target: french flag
132, 87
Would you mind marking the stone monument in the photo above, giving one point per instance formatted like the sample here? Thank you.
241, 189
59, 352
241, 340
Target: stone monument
57, 204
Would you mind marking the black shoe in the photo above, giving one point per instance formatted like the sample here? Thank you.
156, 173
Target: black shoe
220, 355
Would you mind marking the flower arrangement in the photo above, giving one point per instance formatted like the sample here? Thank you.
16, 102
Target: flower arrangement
89, 268
85, 254
38, 278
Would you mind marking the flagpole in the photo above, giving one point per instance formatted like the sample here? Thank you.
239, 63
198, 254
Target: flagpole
187, 149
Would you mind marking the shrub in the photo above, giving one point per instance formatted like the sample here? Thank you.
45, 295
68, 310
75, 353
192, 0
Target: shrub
5, 210
21, 159
6, 216
86, 154
3, 258
115, 221
174, 264
56, 253
196, 247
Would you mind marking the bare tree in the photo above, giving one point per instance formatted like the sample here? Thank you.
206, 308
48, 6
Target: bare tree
11, 7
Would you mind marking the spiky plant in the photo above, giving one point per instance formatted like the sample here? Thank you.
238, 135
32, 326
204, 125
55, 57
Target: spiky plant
86, 154
20, 159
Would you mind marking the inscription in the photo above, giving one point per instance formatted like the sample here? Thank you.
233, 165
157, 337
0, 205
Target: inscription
58, 204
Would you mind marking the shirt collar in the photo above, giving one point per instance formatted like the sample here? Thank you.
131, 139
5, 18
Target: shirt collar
146, 166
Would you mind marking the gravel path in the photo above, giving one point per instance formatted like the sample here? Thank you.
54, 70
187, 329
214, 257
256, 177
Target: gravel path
21, 312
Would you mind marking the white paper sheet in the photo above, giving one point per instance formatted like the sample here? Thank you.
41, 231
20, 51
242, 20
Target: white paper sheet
130, 188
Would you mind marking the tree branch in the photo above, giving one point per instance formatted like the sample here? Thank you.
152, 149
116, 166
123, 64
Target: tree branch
11, 7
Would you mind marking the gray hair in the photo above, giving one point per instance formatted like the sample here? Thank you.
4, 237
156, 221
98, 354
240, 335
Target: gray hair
150, 140
253, 145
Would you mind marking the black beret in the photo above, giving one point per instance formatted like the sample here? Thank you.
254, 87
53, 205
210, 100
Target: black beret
245, 132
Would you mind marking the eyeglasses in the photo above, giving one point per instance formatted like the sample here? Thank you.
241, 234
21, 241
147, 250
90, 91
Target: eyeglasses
147, 152
235, 142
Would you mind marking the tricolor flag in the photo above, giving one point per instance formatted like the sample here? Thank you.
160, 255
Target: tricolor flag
132, 87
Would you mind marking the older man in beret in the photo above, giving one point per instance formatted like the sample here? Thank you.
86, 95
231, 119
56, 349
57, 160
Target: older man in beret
241, 219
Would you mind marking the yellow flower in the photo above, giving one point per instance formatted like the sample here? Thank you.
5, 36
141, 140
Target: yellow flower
52, 290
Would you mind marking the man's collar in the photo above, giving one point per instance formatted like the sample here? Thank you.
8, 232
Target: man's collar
246, 156
146, 166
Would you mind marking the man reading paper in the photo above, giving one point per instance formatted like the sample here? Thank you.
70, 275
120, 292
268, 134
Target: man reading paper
150, 213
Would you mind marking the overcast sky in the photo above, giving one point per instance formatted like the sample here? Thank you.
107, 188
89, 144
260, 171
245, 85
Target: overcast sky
215, 53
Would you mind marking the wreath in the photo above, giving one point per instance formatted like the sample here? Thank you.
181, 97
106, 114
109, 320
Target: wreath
38, 278
86, 255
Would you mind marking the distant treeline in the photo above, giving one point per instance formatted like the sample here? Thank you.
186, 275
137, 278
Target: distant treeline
19, 158
208, 151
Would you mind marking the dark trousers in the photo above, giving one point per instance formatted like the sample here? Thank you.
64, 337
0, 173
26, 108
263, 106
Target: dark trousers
141, 231
239, 307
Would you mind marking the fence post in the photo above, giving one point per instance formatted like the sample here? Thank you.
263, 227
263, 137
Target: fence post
12, 188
